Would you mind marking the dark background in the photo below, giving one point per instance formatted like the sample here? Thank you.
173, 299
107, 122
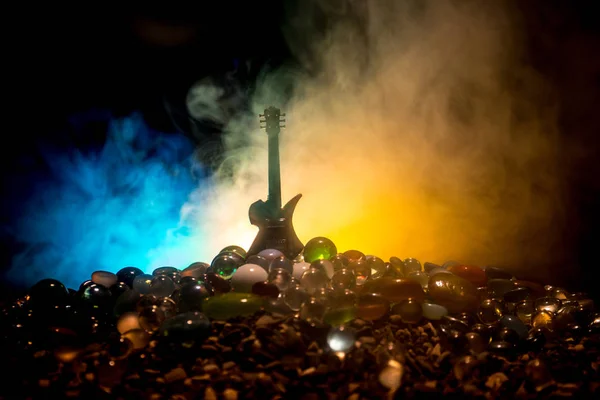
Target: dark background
95, 55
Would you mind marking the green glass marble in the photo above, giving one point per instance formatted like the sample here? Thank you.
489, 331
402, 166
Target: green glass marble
319, 248
231, 305
226, 263
234, 249
339, 316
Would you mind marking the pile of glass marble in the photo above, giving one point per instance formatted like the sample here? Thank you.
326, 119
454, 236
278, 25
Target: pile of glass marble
330, 324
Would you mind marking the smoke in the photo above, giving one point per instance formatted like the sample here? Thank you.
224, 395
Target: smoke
415, 129
109, 208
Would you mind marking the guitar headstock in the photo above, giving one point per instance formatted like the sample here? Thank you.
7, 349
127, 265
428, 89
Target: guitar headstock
273, 117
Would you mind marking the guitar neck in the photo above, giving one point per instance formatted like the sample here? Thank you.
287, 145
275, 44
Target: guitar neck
274, 172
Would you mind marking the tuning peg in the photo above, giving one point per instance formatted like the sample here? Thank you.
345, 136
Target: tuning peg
262, 121
282, 126
282, 120
282, 115
261, 115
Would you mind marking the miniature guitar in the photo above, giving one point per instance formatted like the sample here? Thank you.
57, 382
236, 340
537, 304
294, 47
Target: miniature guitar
275, 228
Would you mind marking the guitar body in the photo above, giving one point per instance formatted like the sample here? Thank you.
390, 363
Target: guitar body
275, 228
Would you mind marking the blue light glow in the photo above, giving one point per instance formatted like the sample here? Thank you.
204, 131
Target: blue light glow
110, 208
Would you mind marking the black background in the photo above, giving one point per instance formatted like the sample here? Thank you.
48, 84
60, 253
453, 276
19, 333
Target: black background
61, 61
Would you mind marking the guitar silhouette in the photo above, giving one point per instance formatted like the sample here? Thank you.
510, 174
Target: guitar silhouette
275, 229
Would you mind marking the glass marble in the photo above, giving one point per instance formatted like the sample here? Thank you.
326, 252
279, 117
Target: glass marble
485, 331
146, 300
453, 292
168, 307
343, 279
259, 260
141, 283
514, 323
217, 283
377, 265
151, 318
277, 306
280, 278
162, 286
191, 296
391, 374
313, 309
371, 306
341, 339
191, 325
126, 302
171, 272
362, 271
524, 310
127, 322
551, 304
471, 273
501, 347
299, 269
282, 262
234, 249
188, 279
226, 264
128, 274
96, 297
448, 323
507, 335
313, 280
195, 270
477, 344
48, 292
104, 278
411, 265
537, 290
319, 248
489, 311
565, 317
339, 261
232, 304
410, 310
353, 255
517, 295
559, 293
594, 325
294, 296
246, 276
270, 254
433, 312
325, 266
542, 319
118, 289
